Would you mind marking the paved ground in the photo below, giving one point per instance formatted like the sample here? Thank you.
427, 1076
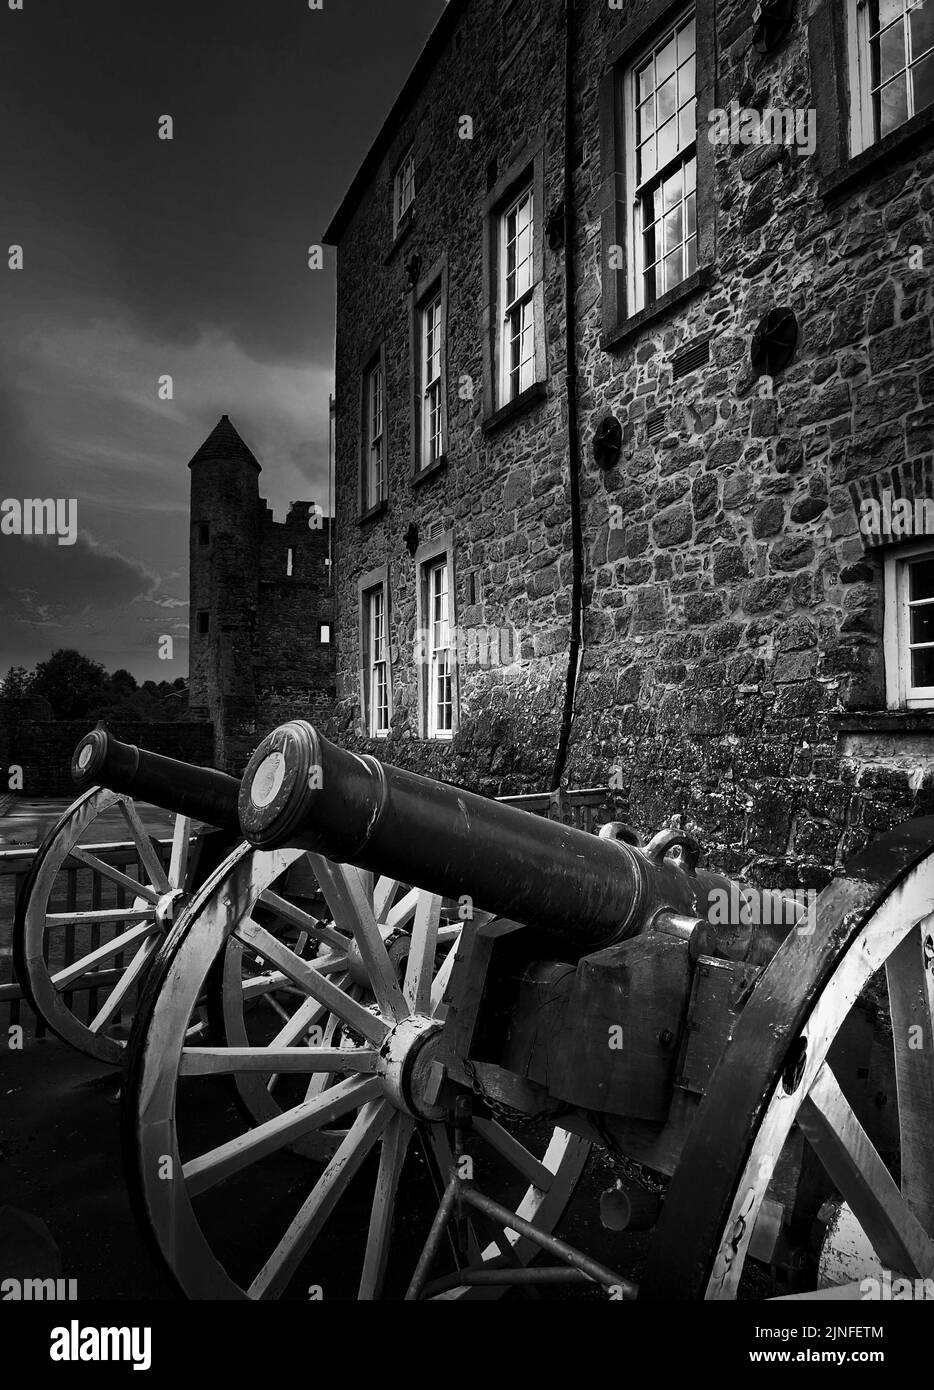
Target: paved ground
27, 821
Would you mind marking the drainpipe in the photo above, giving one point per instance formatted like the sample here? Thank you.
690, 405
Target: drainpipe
575, 652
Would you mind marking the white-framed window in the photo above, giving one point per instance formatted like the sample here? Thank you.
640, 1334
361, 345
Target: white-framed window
376, 668
891, 66
403, 190
374, 463
909, 626
324, 634
431, 431
661, 155
440, 676
517, 296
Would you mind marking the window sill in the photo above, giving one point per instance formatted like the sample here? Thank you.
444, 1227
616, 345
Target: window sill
896, 144
633, 326
422, 474
523, 402
402, 234
885, 721
373, 512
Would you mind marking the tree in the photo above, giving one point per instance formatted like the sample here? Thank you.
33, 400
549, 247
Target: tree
16, 686
75, 686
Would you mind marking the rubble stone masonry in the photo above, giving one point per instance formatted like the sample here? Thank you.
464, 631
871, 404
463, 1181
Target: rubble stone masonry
733, 669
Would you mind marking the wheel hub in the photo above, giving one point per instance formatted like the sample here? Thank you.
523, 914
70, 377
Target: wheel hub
407, 1065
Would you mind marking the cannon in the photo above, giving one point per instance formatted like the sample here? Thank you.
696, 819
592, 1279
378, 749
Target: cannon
65, 949
516, 1008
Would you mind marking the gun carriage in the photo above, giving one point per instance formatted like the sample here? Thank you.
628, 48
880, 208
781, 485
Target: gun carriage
502, 993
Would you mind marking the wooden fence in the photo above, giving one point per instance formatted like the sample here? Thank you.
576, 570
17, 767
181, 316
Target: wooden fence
77, 887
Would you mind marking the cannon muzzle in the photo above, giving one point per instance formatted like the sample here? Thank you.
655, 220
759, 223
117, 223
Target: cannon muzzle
301, 790
200, 792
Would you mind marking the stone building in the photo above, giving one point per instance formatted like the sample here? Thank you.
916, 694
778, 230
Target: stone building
261, 603
684, 470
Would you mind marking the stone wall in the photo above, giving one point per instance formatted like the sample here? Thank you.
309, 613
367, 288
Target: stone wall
43, 749
733, 666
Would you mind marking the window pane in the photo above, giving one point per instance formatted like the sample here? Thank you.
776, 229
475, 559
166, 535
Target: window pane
667, 141
921, 579
674, 234
667, 93
921, 20
922, 78
892, 109
692, 215
685, 40
646, 119
922, 666
891, 52
665, 60
686, 82
647, 163
645, 81
673, 270
687, 122
882, 12
690, 174
673, 188
691, 256
922, 623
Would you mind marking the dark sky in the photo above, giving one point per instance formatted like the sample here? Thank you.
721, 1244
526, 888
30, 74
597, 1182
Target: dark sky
145, 257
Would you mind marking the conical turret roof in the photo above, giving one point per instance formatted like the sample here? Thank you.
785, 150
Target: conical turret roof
224, 443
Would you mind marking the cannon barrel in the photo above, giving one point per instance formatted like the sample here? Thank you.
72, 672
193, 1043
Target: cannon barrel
301, 790
200, 792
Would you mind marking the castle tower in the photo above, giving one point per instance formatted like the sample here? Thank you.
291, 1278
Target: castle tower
224, 556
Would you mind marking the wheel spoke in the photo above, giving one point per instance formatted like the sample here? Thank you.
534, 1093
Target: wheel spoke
181, 845
312, 981
851, 1161
306, 1226
212, 1167
384, 895
300, 918
516, 1154
123, 986
110, 948
217, 1061
99, 915
304, 1018
910, 975
353, 914
441, 981
420, 966
115, 875
395, 1146
148, 856
404, 910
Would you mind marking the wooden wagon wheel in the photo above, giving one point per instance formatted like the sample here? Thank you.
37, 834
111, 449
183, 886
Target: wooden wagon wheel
775, 1073
98, 937
248, 1217
252, 1005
